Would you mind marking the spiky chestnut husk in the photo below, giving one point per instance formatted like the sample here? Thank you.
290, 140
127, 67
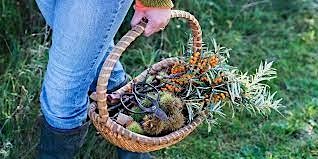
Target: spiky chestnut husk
135, 127
137, 117
152, 125
175, 121
169, 102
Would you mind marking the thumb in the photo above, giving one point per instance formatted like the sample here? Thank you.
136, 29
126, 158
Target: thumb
137, 18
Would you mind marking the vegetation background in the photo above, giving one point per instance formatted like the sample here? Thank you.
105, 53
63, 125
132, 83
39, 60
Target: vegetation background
276, 30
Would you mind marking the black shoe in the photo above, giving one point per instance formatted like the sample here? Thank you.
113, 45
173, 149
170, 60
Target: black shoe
60, 144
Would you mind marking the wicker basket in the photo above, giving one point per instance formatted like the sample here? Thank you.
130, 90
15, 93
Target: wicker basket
115, 133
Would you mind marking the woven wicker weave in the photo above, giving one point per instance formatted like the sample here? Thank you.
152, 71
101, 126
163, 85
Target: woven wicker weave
115, 133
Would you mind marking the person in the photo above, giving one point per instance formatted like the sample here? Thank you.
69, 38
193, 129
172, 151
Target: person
82, 37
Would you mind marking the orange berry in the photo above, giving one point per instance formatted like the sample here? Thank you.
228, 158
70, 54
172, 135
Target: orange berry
196, 54
218, 80
222, 96
164, 89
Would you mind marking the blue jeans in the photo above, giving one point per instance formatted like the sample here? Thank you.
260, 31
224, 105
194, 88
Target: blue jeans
83, 32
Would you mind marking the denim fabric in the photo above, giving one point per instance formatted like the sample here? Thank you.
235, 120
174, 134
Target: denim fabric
83, 33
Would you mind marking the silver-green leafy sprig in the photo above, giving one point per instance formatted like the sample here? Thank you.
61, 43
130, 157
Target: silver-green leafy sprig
260, 99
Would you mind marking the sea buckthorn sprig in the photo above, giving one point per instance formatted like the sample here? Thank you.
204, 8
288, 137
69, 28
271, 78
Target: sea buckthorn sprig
178, 68
213, 61
219, 96
195, 58
217, 80
171, 88
201, 62
176, 85
203, 65
204, 81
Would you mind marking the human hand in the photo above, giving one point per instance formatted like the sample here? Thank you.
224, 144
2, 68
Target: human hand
158, 18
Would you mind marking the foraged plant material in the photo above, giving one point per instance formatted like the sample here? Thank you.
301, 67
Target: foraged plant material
135, 127
178, 68
152, 125
170, 103
137, 117
205, 82
173, 106
175, 121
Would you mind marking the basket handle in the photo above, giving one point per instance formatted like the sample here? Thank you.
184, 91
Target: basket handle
122, 45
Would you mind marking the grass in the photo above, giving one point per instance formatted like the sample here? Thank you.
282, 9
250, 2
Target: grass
255, 30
